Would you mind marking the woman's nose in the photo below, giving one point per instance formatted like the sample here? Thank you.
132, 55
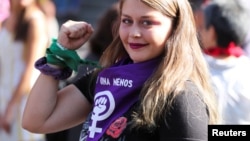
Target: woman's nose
135, 32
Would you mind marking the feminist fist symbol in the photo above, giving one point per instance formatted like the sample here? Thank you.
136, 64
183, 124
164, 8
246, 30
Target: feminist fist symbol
101, 110
100, 105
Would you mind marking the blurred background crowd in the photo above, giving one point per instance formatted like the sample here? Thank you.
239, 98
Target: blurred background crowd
29, 25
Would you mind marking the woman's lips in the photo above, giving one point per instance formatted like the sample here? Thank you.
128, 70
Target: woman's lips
137, 45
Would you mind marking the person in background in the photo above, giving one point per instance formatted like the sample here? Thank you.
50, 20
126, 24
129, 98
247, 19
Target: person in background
152, 82
222, 35
23, 39
4, 10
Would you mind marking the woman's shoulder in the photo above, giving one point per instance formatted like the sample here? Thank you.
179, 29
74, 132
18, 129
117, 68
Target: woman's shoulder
189, 99
187, 118
188, 107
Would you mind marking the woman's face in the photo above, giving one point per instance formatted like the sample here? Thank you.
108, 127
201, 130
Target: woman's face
143, 30
208, 35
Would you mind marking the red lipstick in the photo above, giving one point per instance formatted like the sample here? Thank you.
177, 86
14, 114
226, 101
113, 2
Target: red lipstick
137, 45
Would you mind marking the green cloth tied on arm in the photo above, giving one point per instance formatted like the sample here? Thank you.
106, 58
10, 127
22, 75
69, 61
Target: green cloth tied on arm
63, 57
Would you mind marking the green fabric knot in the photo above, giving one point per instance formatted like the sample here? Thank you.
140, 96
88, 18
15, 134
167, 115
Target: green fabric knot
66, 58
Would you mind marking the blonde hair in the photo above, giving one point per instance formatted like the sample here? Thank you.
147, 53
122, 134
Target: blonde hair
183, 60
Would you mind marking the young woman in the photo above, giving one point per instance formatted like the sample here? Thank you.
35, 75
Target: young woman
153, 83
23, 39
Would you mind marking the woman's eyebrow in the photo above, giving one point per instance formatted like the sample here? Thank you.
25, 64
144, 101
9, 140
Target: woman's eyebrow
143, 17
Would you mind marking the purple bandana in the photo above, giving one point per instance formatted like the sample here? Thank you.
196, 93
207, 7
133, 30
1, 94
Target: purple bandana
117, 89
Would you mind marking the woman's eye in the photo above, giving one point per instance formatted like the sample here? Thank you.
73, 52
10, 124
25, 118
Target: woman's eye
147, 23
126, 21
